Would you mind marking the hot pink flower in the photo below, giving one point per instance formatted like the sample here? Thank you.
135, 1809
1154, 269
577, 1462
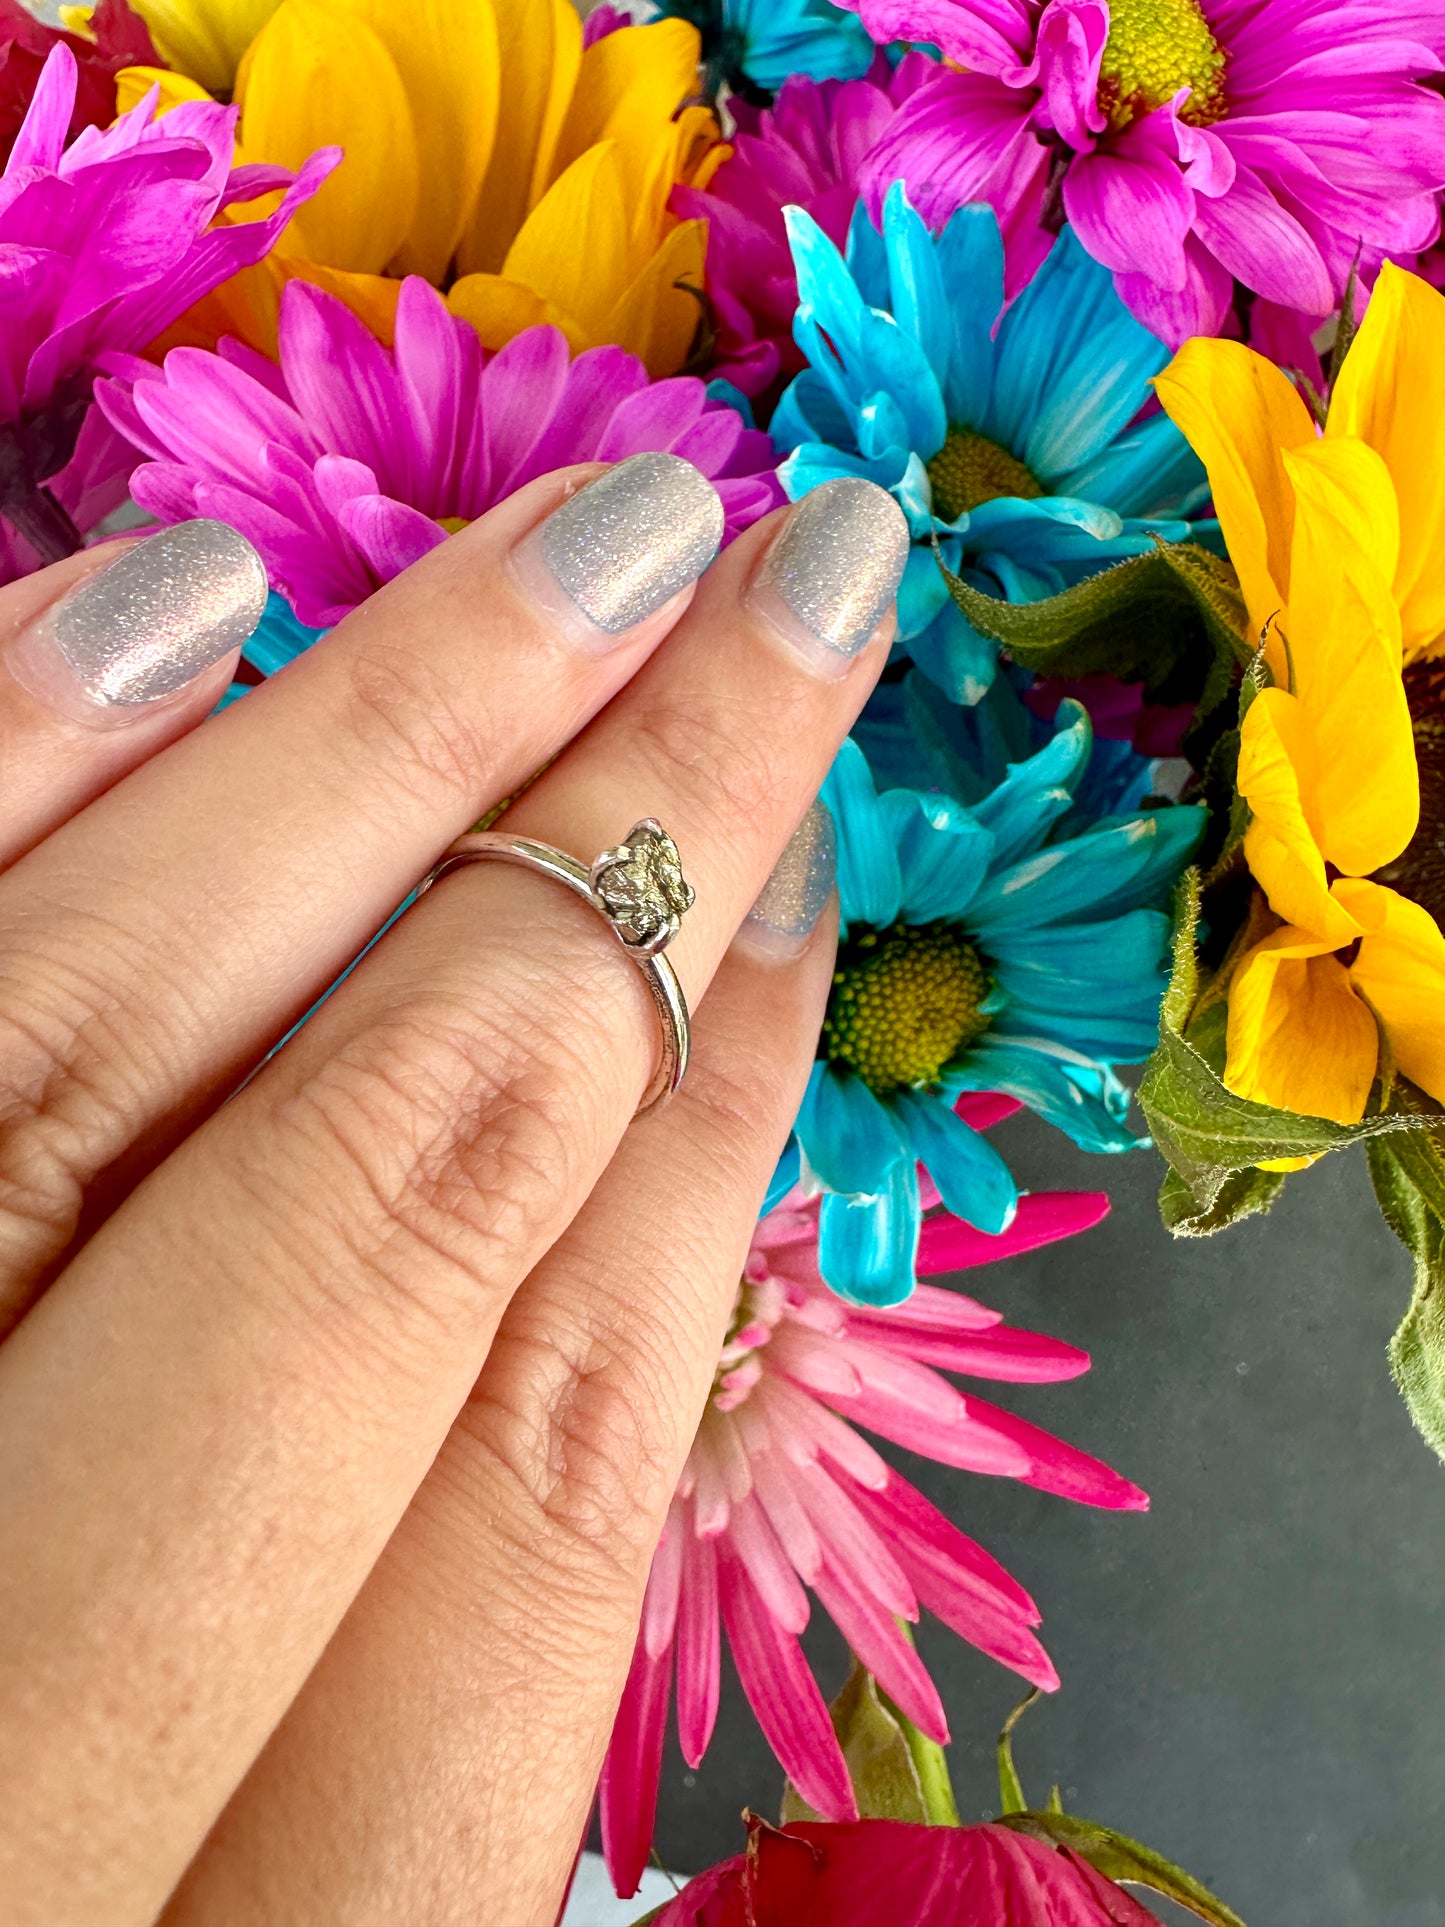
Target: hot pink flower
350, 461
807, 150
908, 1876
781, 1492
102, 245
1188, 142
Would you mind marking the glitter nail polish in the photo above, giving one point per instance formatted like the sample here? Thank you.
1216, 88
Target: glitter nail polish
623, 546
140, 630
830, 576
793, 898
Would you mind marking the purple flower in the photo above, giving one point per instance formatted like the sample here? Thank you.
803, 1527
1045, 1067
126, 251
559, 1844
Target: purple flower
349, 461
807, 150
102, 245
1189, 143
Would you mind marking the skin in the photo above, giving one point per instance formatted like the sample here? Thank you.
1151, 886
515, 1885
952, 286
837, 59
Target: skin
339, 1423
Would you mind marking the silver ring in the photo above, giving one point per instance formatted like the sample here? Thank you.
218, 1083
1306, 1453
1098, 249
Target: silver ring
638, 889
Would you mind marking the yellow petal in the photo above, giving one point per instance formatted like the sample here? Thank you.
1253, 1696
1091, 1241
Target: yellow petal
77, 20
539, 53
499, 309
1279, 777
205, 39
1400, 968
132, 84
631, 83
447, 58
656, 319
1343, 633
248, 306
573, 247
318, 75
1391, 394
1239, 413
1298, 1037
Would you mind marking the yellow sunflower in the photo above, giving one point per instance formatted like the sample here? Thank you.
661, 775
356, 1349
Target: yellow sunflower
1339, 543
487, 150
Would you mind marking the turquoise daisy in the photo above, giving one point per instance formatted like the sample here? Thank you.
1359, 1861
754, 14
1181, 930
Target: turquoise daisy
1012, 436
980, 950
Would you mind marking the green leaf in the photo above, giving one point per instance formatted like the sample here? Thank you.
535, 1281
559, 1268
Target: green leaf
887, 1783
1213, 1140
1172, 619
1119, 1858
1409, 1178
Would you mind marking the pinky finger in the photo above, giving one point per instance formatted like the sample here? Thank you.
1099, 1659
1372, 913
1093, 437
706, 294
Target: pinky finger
108, 657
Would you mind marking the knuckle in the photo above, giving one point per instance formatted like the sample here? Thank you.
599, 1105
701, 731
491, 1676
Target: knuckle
412, 725
456, 1139
723, 750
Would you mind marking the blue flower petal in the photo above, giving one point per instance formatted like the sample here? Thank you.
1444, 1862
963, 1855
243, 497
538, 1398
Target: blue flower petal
1104, 872
1036, 793
973, 1180
1148, 470
868, 1248
849, 1140
869, 881
867, 258
922, 593
943, 853
785, 1176
955, 656
1035, 1075
1073, 361
919, 300
970, 257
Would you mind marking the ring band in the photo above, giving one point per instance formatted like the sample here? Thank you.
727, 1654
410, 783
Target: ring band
639, 891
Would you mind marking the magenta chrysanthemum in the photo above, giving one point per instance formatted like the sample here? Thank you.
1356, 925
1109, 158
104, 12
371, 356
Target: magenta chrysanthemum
781, 1492
350, 461
1188, 142
103, 244
808, 150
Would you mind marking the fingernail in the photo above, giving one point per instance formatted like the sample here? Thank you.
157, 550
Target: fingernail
622, 547
828, 580
792, 900
142, 629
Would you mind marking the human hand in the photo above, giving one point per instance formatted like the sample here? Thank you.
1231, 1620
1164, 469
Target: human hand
338, 1424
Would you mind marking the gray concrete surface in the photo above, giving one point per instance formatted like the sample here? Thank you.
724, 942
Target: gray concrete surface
1253, 1671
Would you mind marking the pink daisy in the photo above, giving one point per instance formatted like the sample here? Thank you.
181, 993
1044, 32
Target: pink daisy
781, 1493
350, 461
103, 244
807, 150
1189, 143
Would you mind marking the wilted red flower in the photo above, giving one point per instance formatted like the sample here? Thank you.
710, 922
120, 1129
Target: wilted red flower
872, 1871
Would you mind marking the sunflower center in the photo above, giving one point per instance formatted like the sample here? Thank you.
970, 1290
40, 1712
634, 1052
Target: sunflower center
1154, 48
970, 470
1419, 872
905, 1001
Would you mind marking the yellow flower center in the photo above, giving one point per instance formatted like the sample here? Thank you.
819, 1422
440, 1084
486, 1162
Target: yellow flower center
905, 1001
970, 470
454, 524
1419, 871
1154, 48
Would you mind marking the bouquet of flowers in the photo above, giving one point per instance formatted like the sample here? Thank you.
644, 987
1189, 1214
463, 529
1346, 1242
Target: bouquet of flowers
1131, 306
